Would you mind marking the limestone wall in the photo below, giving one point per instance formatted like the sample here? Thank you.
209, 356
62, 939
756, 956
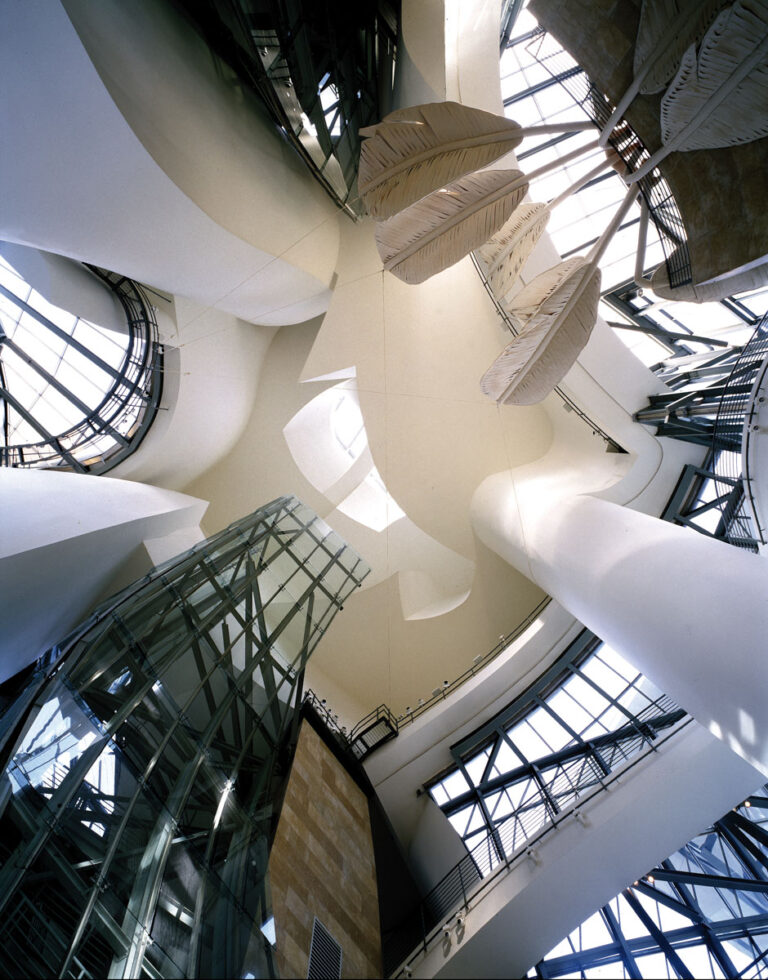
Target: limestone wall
322, 865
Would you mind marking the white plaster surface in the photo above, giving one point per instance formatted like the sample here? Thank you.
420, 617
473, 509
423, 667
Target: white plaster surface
66, 538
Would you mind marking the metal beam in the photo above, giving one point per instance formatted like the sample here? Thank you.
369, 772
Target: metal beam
61, 334
51, 440
90, 414
710, 880
664, 945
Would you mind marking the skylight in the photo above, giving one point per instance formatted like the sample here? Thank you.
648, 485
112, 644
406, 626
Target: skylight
73, 394
545, 752
533, 95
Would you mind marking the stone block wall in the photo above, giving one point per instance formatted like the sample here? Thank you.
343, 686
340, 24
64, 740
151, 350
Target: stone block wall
322, 864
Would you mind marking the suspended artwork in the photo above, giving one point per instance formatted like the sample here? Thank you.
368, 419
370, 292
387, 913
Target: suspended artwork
415, 151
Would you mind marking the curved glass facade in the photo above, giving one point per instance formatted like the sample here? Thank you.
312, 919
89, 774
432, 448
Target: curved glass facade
74, 395
701, 913
144, 763
582, 720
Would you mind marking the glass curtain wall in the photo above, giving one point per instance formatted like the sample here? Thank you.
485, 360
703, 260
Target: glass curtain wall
75, 395
701, 913
585, 718
144, 763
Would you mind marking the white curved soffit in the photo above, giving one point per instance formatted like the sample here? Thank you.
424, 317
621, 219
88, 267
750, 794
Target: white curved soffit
328, 442
85, 185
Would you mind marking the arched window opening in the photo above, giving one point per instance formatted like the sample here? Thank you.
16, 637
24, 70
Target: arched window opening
74, 395
589, 715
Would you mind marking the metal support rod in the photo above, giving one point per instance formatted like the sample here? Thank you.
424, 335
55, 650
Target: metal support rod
568, 127
667, 335
734, 80
642, 239
577, 185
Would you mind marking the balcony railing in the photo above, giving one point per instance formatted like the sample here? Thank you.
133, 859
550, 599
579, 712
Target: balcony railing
737, 409
464, 885
658, 195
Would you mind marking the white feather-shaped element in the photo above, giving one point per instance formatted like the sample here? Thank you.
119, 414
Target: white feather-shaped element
557, 312
742, 116
443, 227
506, 253
666, 29
713, 290
413, 152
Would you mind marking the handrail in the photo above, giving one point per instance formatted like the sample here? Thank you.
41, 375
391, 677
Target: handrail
658, 195
478, 664
466, 889
391, 724
325, 714
737, 406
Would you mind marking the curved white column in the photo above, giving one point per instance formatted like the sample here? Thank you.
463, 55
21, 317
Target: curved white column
131, 153
688, 611
69, 540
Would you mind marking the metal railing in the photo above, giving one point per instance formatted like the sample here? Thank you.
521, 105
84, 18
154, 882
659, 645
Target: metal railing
381, 724
465, 884
372, 731
737, 408
662, 206
326, 715
480, 662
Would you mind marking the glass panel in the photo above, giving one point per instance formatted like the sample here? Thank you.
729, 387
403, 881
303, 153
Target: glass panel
159, 768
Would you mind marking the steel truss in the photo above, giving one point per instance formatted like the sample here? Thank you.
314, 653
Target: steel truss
501, 804
145, 761
710, 404
702, 912
127, 410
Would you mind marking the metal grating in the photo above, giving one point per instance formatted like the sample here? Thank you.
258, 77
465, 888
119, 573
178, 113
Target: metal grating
662, 206
324, 955
156, 735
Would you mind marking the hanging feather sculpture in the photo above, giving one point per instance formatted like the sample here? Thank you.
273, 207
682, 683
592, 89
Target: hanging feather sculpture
443, 227
502, 258
557, 312
506, 253
737, 41
666, 29
415, 151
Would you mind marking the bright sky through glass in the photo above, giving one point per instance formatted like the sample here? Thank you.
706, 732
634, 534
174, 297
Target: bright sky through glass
55, 355
601, 695
73, 393
532, 96
731, 921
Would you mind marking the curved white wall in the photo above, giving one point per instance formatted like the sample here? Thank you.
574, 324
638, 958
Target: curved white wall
84, 185
211, 374
67, 538
212, 138
688, 611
